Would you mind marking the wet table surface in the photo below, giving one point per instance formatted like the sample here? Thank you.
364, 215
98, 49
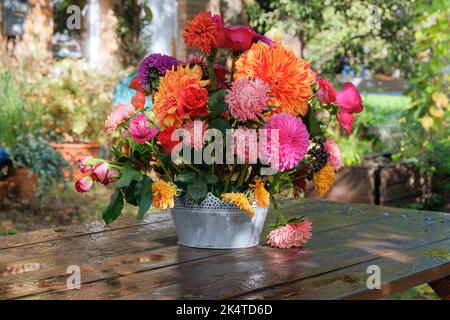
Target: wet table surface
143, 261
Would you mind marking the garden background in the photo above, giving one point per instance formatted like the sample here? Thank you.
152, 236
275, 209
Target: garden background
58, 84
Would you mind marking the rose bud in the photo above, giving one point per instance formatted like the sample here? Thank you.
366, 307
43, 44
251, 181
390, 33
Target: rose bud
84, 184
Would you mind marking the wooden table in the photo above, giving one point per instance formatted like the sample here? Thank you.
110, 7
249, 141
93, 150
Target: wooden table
129, 261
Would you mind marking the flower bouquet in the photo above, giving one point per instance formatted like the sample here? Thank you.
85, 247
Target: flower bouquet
230, 131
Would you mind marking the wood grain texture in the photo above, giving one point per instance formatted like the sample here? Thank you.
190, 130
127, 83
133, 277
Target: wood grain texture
130, 261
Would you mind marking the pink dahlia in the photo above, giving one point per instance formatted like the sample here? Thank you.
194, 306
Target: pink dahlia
247, 99
335, 158
120, 114
293, 141
291, 235
197, 130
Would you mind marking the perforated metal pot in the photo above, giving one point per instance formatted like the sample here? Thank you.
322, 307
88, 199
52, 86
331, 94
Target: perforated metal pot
215, 224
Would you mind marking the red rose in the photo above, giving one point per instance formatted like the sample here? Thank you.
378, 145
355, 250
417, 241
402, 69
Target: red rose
326, 92
192, 102
165, 139
134, 84
236, 38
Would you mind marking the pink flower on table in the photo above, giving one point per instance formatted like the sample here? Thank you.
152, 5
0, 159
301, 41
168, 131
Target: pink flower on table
326, 92
247, 99
292, 144
140, 130
120, 114
349, 101
84, 184
335, 158
291, 235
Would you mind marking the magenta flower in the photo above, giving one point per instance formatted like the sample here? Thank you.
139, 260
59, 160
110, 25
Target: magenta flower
291, 235
293, 140
335, 158
120, 114
259, 37
350, 102
247, 99
139, 128
84, 184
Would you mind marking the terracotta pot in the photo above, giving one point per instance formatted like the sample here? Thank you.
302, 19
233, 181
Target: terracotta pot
71, 152
22, 185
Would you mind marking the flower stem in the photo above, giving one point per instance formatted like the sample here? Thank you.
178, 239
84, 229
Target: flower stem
227, 182
281, 220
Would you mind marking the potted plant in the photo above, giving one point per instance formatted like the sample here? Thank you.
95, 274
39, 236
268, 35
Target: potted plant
77, 102
37, 167
221, 145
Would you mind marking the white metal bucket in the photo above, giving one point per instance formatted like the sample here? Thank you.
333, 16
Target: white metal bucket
215, 224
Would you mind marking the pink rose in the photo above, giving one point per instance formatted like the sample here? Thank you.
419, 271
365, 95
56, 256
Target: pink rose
349, 99
84, 164
291, 235
346, 121
100, 172
120, 114
112, 176
236, 38
139, 128
84, 184
326, 92
335, 158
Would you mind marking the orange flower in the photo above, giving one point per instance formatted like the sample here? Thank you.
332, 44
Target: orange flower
324, 179
260, 194
202, 31
240, 200
289, 77
163, 194
167, 97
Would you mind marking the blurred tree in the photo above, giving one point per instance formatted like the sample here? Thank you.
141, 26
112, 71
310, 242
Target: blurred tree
373, 31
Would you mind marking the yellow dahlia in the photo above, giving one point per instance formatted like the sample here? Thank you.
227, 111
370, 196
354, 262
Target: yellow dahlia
324, 179
163, 194
260, 194
240, 200
290, 78
167, 97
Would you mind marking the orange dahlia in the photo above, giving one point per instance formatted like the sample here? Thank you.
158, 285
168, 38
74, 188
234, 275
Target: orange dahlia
289, 77
166, 99
202, 32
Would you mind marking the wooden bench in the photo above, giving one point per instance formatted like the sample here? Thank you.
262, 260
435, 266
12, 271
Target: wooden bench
130, 261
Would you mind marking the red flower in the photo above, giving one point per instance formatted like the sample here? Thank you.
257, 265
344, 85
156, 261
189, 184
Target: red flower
192, 101
138, 101
134, 84
203, 32
346, 121
221, 76
326, 92
237, 38
165, 139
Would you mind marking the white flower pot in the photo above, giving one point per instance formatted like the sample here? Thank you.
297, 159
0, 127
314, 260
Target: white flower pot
215, 224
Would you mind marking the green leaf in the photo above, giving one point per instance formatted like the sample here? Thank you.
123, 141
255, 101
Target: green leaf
209, 177
186, 176
131, 193
220, 124
128, 175
148, 14
197, 190
145, 197
216, 103
314, 124
114, 209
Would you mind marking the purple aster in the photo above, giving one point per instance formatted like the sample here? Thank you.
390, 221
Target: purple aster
160, 62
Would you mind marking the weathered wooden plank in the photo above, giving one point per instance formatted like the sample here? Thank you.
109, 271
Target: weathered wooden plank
242, 271
44, 235
398, 272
